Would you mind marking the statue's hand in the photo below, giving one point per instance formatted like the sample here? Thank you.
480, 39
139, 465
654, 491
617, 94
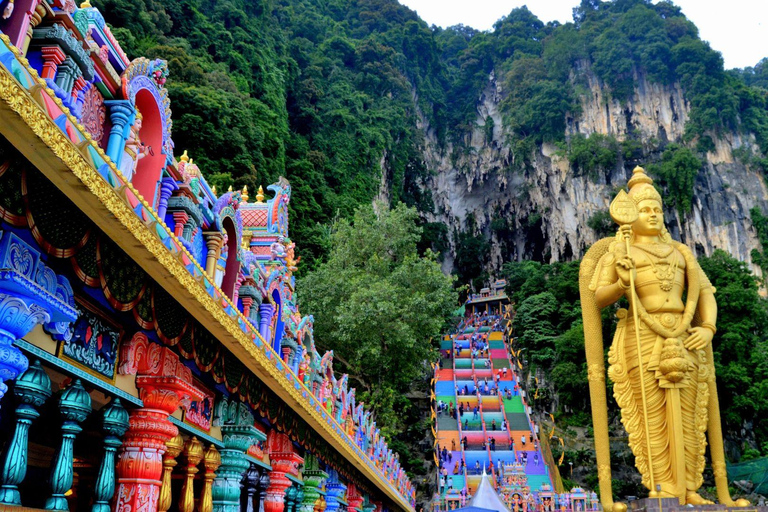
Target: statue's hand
699, 338
624, 266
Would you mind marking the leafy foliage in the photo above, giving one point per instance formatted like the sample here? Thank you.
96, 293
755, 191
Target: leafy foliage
592, 154
677, 173
378, 305
740, 346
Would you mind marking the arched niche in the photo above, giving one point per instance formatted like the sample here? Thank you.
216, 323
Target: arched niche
143, 85
232, 266
149, 169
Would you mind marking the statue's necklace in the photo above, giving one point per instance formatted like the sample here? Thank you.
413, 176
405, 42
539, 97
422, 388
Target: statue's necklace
665, 271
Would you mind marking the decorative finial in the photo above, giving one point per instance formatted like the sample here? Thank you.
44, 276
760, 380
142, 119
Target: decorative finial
639, 176
185, 157
641, 187
229, 189
260, 195
244, 193
86, 4
214, 190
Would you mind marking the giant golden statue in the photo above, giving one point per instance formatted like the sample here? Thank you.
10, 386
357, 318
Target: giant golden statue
661, 361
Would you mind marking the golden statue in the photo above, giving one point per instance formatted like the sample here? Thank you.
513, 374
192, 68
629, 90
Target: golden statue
667, 396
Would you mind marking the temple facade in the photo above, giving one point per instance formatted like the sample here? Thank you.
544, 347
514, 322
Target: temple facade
152, 356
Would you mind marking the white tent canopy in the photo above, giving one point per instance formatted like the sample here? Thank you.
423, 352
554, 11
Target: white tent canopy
486, 496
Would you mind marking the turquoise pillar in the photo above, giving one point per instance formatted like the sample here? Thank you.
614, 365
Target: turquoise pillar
114, 421
334, 489
238, 435
290, 497
299, 498
31, 389
74, 405
122, 114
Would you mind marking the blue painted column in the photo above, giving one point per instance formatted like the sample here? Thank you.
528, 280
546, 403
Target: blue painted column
30, 294
265, 315
12, 361
122, 114
74, 405
167, 186
31, 389
334, 489
114, 421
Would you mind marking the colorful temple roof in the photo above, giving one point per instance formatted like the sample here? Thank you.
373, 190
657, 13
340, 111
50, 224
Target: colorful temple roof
145, 249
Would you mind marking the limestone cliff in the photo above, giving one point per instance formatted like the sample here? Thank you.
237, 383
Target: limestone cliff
546, 205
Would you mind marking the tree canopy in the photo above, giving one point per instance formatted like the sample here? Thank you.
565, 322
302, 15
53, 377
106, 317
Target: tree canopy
381, 307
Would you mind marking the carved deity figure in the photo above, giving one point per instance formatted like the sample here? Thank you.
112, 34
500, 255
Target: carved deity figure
291, 261
134, 150
277, 248
661, 361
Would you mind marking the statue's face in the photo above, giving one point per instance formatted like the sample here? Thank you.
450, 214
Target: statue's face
651, 219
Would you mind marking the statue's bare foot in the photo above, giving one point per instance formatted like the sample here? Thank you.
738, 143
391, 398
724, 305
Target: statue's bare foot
741, 502
693, 498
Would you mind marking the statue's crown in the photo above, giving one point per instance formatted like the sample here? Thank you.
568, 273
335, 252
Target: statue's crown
641, 187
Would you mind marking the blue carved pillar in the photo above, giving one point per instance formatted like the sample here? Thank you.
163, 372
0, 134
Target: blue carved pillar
167, 186
239, 434
74, 405
30, 294
31, 389
265, 315
114, 421
122, 114
334, 489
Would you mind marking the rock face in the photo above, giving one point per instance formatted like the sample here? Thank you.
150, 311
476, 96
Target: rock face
545, 205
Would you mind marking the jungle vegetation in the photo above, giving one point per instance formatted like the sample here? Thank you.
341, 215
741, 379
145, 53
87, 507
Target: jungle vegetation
329, 93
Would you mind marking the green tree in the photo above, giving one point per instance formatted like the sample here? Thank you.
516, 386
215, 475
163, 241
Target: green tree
677, 173
379, 305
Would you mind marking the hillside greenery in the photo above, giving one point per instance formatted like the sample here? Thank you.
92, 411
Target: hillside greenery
329, 93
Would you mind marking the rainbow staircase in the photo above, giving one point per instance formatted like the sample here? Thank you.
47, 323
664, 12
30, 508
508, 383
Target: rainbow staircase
462, 379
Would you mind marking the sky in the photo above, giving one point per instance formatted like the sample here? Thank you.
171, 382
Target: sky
736, 28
